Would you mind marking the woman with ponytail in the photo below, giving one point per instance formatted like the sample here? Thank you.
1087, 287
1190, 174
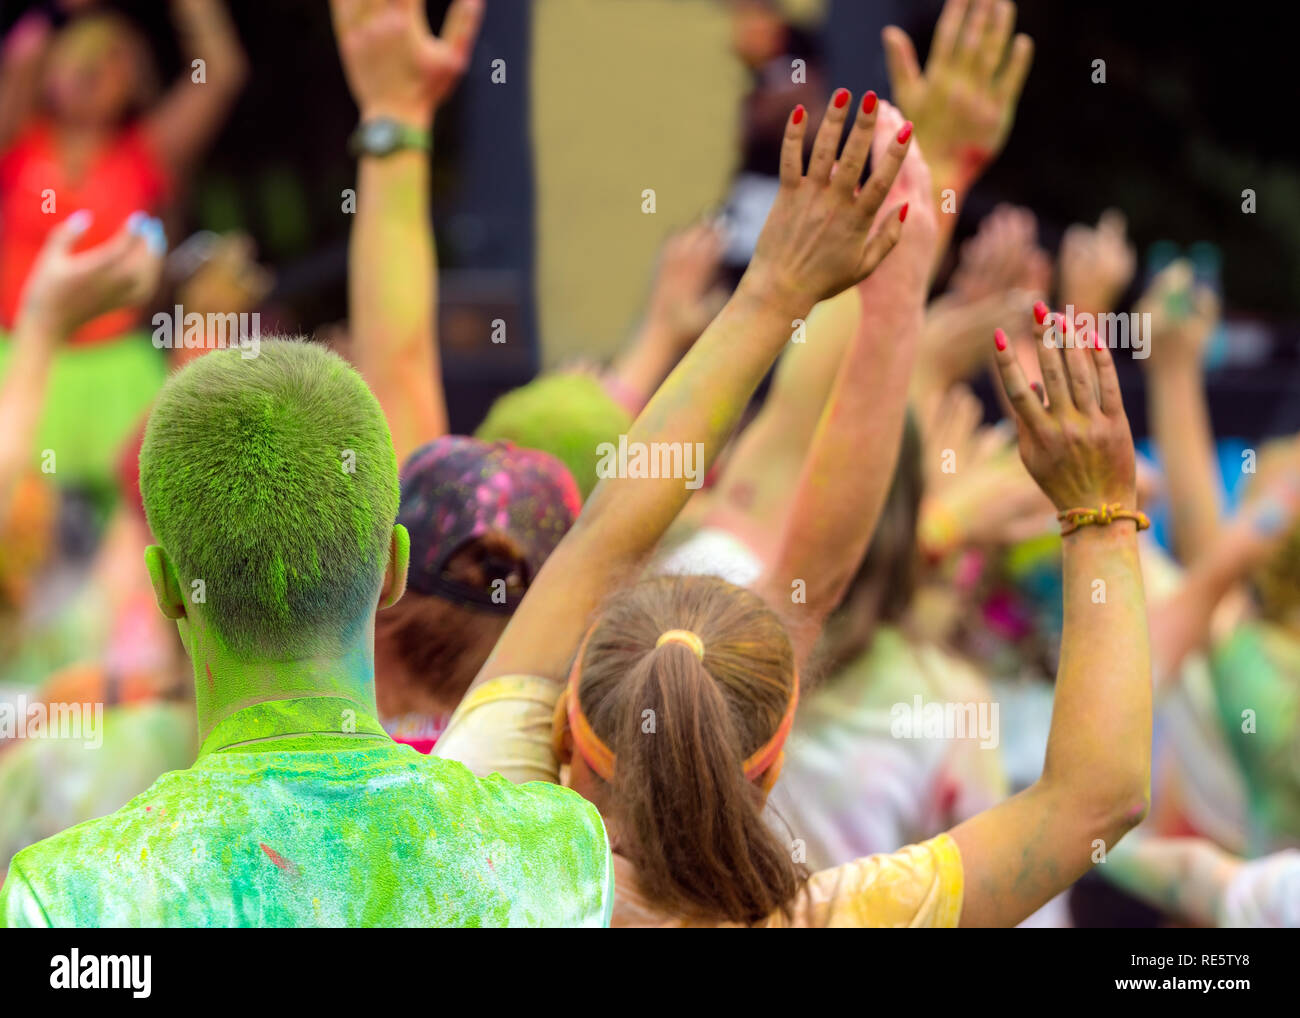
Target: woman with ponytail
669, 702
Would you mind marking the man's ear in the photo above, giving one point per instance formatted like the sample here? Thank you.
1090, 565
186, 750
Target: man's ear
166, 584
399, 557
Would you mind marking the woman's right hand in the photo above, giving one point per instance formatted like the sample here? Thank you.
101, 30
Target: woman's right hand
818, 240
1076, 444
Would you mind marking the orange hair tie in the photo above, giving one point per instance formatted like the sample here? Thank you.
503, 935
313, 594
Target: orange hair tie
600, 758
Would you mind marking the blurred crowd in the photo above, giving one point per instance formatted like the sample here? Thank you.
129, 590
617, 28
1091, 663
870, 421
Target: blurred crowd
812, 631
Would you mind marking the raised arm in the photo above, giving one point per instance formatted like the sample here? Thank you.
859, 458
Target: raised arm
683, 300
1095, 781
1181, 622
753, 492
20, 66
1182, 318
63, 292
399, 71
834, 506
817, 241
756, 488
191, 113
964, 103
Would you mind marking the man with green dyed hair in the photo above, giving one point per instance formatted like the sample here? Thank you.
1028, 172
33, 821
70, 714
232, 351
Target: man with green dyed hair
271, 485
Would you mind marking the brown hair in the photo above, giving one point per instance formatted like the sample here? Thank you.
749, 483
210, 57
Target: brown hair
885, 583
443, 642
681, 728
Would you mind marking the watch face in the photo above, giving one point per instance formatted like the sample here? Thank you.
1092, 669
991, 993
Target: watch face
380, 137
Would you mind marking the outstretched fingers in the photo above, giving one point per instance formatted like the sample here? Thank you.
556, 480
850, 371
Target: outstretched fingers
1012, 79
796, 125
461, 25
994, 45
947, 30
828, 136
1078, 364
900, 62
1052, 364
1029, 409
882, 240
883, 173
1108, 391
854, 157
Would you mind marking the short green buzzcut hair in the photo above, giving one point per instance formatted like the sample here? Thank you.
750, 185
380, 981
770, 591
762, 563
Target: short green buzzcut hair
273, 480
568, 415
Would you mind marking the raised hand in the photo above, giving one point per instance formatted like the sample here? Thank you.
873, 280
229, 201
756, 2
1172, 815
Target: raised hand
394, 64
685, 296
1078, 446
977, 491
1183, 316
964, 103
1096, 264
66, 290
954, 343
229, 279
912, 188
818, 237
1003, 255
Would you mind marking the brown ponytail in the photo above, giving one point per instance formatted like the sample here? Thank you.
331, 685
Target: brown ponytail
681, 729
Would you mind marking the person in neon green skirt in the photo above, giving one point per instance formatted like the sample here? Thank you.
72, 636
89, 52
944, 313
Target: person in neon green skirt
271, 485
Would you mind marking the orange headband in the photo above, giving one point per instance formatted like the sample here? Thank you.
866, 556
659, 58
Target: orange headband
600, 758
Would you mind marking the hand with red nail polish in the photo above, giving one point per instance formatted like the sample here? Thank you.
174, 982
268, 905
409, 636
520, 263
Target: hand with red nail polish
819, 238
1078, 446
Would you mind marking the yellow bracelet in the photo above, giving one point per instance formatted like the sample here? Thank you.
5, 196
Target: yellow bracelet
1073, 519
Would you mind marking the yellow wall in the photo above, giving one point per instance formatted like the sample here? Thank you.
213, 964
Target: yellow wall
626, 95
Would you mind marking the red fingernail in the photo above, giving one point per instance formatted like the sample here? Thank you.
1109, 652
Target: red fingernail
798, 114
902, 213
1040, 312
1000, 338
841, 97
905, 133
1100, 344
868, 102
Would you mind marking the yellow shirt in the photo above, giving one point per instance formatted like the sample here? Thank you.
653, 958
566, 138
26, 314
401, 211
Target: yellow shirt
504, 726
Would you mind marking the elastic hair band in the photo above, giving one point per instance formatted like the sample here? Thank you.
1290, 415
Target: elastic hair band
600, 758
682, 636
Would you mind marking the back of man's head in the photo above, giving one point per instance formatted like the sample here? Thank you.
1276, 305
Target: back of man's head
272, 479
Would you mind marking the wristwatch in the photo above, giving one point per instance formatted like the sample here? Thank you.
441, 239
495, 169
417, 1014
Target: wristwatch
383, 136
